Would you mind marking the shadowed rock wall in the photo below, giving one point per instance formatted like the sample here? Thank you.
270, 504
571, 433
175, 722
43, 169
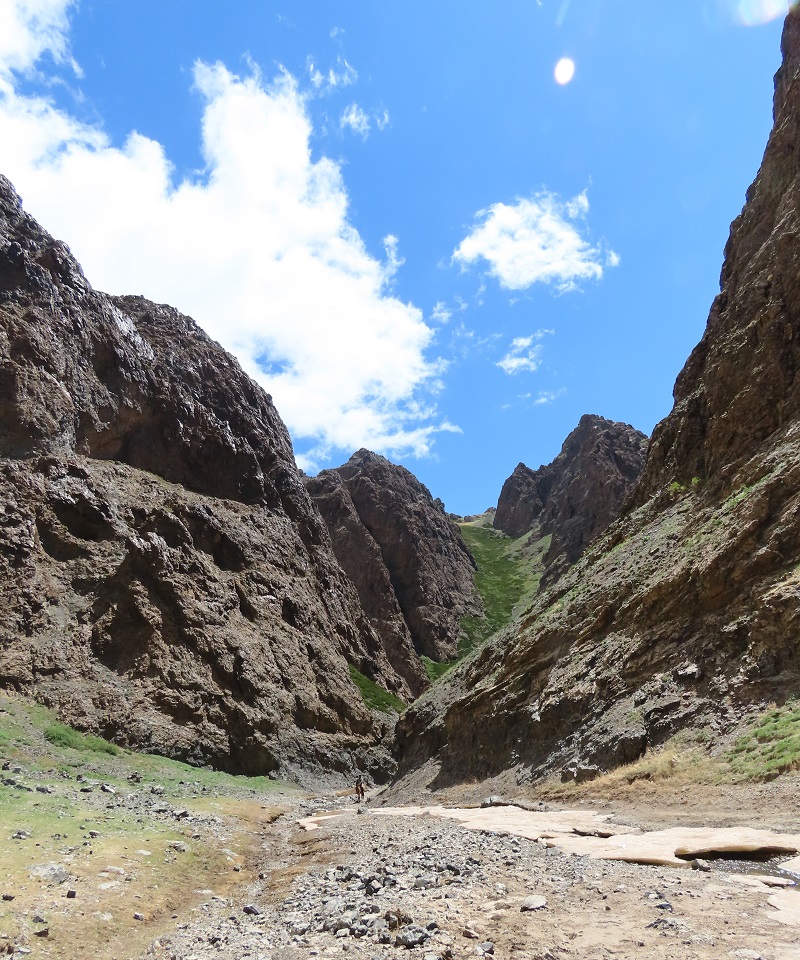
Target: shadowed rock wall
166, 580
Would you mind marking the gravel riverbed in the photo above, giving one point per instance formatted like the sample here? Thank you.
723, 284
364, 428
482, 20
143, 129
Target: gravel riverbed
369, 885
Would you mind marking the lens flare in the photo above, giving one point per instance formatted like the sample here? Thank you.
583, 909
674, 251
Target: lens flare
564, 71
754, 13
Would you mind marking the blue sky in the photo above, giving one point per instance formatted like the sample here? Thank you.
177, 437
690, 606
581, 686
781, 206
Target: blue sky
404, 227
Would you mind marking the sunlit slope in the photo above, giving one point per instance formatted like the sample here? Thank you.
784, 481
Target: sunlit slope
507, 577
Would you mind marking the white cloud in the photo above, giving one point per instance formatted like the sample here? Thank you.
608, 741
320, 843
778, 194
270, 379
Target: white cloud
440, 313
355, 118
259, 250
342, 74
382, 120
547, 396
28, 30
524, 354
536, 240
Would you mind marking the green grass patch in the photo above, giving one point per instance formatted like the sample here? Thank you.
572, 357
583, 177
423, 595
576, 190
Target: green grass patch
770, 747
507, 579
61, 735
435, 670
375, 697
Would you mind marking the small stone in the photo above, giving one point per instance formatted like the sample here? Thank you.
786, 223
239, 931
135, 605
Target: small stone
8, 897
107, 788
252, 910
71, 894
470, 933
179, 846
493, 801
44, 932
49, 872
487, 946
342, 932
533, 903
138, 916
411, 936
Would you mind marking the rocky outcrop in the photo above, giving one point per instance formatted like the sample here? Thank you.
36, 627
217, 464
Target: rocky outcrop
684, 612
165, 578
577, 496
360, 557
421, 580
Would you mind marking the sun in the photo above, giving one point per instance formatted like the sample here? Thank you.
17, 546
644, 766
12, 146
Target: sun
564, 71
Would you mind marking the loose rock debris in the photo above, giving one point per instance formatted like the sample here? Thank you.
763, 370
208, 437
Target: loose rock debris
384, 885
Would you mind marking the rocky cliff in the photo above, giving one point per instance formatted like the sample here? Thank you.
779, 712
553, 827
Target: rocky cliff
413, 572
576, 497
165, 578
686, 610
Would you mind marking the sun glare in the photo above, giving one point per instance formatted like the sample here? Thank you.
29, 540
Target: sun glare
564, 71
753, 13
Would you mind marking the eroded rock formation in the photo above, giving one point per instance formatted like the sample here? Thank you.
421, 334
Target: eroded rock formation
165, 578
686, 610
412, 569
576, 497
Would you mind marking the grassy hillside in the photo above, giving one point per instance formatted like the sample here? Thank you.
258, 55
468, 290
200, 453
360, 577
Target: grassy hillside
101, 848
507, 577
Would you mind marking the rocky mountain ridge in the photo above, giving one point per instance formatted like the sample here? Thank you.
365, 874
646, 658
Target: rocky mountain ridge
684, 612
574, 498
166, 579
413, 572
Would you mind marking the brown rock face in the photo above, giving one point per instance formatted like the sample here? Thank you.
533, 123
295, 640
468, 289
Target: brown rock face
577, 496
685, 611
165, 577
360, 558
426, 564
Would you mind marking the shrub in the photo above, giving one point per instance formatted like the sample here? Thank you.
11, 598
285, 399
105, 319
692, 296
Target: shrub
60, 735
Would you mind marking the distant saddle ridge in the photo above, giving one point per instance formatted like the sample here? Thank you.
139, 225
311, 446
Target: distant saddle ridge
414, 574
685, 612
577, 496
166, 580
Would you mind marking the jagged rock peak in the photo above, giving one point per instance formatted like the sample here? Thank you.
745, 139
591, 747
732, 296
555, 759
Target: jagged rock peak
723, 405
428, 565
577, 496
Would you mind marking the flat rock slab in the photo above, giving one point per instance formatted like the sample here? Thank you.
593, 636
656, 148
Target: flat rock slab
787, 907
678, 846
592, 834
531, 824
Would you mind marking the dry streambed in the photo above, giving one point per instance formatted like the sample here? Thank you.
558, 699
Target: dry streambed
450, 884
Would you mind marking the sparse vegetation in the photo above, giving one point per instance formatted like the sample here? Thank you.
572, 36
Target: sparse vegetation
770, 747
435, 670
375, 697
43, 795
